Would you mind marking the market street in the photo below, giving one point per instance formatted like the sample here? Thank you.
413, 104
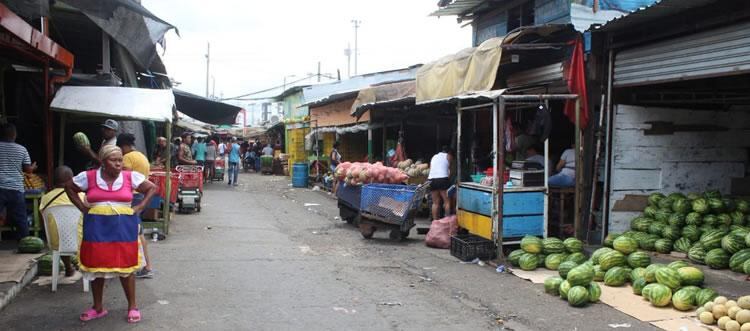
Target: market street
256, 258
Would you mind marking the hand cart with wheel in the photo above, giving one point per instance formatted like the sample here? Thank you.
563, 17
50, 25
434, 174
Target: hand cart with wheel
190, 188
390, 207
266, 164
219, 166
349, 198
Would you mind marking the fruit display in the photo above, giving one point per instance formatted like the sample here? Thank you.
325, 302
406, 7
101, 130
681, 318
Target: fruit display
551, 253
709, 228
414, 169
31, 245
359, 173
727, 314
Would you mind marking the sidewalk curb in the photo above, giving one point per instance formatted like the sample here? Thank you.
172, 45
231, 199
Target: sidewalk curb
7, 296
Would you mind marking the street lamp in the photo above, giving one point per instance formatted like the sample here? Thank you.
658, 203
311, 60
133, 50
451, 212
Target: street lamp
284, 86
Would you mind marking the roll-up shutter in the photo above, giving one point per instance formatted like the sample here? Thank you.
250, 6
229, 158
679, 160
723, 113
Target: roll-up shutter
720, 52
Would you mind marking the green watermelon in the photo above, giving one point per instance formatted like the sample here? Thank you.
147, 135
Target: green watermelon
564, 288
599, 273
44, 265
697, 254
700, 206
654, 198
552, 285
747, 240
692, 196
646, 291
738, 259
625, 245
531, 244
682, 245
30, 245
595, 292
639, 259
640, 224
514, 256
740, 231
656, 228
650, 211
671, 232
637, 273
578, 258
573, 245
743, 206
668, 277
565, 267
666, 204
578, 296
662, 216
581, 275
691, 232
724, 219
598, 253
528, 261
610, 238
710, 220
650, 275
738, 218
729, 205
616, 276
677, 220
712, 194
648, 243
684, 299
676, 195
694, 219
690, 276
746, 267
678, 264
552, 261
638, 285
663, 246
712, 239
732, 244
716, 205
660, 295
717, 258
705, 295
612, 259
552, 245
681, 206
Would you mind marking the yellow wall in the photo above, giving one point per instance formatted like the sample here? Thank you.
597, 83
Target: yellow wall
296, 146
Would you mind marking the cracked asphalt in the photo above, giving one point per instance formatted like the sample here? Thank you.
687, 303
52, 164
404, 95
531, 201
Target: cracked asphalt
265, 256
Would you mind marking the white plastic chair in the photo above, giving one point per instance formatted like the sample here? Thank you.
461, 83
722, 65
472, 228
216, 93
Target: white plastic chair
67, 218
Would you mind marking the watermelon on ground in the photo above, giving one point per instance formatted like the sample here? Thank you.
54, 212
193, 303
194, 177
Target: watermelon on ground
640, 223
660, 295
661, 217
682, 245
565, 267
578, 296
654, 198
684, 299
598, 253
639, 259
595, 292
743, 206
732, 244
564, 288
671, 232
666, 204
552, 245
712, 239
616, 276
599, 273
668, 277
612, 259
578, 258
573, 245
690, 276
697, 254
650, 275
677, 220
648, 243
637, 273
738, 217
747, 240
514, 256
638, 285
646, 291
716, 205
552, 261
552, 285
717, 258
30, 245
738, 259
691, 232
710, 220
531, 244
44, 265
681, 206
693, 218
700, 206
705, 295
663, 246
746, 267
581, 275
678, 264
625, 245
724, 219
529, 261
650, 211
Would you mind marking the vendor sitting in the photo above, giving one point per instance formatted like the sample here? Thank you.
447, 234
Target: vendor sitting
566, 176
532, 154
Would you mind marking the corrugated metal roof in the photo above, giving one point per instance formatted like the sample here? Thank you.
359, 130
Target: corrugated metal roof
316, 93
458, 8
653, 12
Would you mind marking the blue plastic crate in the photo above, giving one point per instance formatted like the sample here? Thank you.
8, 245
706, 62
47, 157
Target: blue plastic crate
392, 202
351, 195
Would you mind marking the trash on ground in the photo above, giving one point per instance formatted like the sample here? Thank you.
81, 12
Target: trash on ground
163, 302
208, 228
390, 304
425, 279
474, 261
311, 204
621, 325
500, 268
336, 218
316, 188
345, 311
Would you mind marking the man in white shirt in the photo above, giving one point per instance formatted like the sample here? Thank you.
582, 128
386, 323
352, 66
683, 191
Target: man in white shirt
109, 137
566, 176
268, 150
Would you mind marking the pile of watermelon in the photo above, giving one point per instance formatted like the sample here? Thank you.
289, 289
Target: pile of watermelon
550, 253
728, 314
576, 285
711, 229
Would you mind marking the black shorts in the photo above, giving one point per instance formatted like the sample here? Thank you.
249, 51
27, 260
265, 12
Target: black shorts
440, 184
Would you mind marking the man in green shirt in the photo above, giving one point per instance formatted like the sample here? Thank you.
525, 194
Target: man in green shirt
200, 151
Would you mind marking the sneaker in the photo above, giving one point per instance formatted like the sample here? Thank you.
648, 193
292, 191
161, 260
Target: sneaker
143, 273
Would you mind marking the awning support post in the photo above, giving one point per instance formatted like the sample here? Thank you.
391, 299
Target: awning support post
168, 178
499, 168
579, 182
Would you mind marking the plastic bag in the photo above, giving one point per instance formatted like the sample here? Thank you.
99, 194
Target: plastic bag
441, 231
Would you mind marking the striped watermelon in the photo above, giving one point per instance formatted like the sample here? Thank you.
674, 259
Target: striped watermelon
637, 273
656, 228
650, 211
660, 295
694, 219
732, 244
646, 291
552, 261
616, 276
514, 256
640, 223
747, 240
648, 243
598, 253
717, 258
612, 259
578, 258
684, 299
738, 217
595, 292
625, 245
552, 285
724, 219
638, 285
650, 275
697, 254
663, 246
682, 245
671, 232
705, 295
654, 198
565, 267
691, 232
531, 244
678, 264
677, 220
552, 245
639, 259
711, 240
738, 259
529, 261
598, 273
668, 277
746, 267
578, 296
581, 275
573, 245
564, 288
691, 276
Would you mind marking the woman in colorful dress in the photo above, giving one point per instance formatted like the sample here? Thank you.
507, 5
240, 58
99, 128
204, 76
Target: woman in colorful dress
110, 246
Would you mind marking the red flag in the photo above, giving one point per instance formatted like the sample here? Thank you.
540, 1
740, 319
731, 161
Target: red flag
577, 85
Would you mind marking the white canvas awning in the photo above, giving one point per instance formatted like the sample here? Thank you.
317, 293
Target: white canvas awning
117, 102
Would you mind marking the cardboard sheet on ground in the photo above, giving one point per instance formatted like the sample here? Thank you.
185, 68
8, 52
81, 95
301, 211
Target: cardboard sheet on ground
537, 276
683, 324
14, 266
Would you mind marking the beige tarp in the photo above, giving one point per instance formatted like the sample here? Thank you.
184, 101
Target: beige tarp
471, 70
384, 93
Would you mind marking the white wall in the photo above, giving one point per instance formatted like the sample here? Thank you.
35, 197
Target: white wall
685, 161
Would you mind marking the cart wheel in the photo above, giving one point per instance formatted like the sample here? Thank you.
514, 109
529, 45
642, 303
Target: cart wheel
367, 230
198, 208
404, 235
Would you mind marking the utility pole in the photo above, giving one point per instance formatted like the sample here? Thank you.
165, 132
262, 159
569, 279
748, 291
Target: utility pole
318, 71
356, 45
208, 61
348, 54
213, 90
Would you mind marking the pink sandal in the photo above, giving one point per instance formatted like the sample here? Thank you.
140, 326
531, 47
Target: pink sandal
92, 314
134, 316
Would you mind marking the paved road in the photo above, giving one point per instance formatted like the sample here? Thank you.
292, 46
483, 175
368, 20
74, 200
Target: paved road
258, 258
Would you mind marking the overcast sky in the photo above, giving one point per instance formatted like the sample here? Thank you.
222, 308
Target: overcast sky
255, 44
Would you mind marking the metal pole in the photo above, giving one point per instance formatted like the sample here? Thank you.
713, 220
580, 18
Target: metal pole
61, 143
608, 149
356, 44
546, 180
208, 62
579, 183
459, 161
499, 123
168, 178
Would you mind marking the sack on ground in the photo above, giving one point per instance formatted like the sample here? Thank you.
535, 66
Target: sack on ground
441, 231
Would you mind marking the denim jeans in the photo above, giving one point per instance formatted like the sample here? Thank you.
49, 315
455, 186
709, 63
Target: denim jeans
14, 204
234, 170
561, 180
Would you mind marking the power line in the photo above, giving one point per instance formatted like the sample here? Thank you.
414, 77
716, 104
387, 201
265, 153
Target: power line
240, 97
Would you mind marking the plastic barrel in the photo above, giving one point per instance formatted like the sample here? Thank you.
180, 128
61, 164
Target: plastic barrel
299, 174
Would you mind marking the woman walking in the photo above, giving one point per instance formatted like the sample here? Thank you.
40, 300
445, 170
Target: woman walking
439, 178
110, 246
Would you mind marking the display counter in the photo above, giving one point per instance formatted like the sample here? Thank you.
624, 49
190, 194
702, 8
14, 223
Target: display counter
523, 211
